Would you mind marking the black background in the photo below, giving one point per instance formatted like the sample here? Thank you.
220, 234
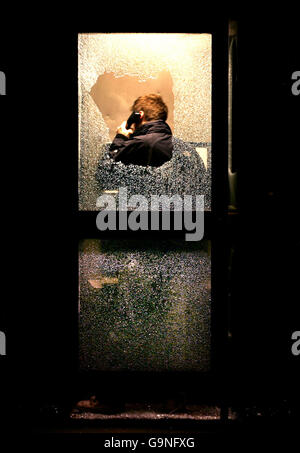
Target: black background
41, 230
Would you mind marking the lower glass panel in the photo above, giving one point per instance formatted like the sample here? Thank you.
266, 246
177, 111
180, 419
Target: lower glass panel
144, 305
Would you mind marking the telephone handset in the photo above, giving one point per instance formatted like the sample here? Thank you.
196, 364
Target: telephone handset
135, 118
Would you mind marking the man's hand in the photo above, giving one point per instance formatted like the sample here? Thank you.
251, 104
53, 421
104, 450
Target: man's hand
122, 130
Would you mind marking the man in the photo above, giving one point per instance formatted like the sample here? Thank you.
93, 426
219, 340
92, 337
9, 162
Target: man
149, 141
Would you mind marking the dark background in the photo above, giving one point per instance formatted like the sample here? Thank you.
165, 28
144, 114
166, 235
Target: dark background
41, 227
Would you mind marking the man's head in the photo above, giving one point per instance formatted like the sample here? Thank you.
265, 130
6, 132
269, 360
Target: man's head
151, 106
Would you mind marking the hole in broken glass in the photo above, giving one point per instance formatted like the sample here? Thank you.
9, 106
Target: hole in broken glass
115, 95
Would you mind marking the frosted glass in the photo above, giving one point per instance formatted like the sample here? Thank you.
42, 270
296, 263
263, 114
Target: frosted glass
114, 69
144, 306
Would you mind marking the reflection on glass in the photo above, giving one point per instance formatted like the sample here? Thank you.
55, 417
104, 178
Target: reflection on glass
144, 306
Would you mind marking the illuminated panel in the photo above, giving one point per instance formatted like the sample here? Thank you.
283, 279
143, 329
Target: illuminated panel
114, 69
144, 306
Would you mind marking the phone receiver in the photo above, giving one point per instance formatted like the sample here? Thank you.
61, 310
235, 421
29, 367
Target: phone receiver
135, 118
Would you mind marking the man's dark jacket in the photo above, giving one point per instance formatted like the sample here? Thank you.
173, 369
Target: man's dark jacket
150, 144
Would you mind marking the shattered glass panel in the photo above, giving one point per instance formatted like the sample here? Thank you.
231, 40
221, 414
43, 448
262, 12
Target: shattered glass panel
113, 70
144, 306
